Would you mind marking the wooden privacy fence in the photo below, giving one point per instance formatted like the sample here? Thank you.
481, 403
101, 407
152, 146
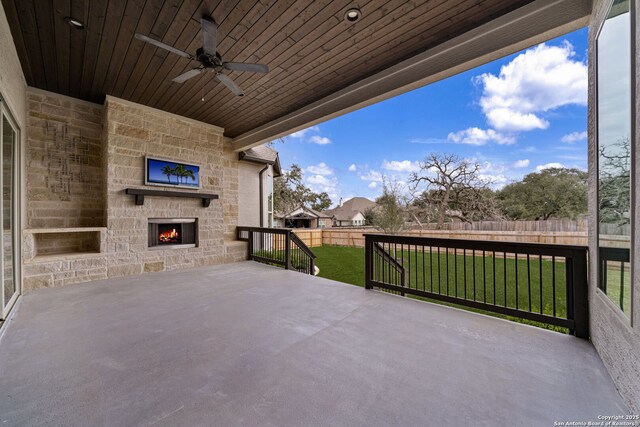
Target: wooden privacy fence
550, 225
355, 237
311, 237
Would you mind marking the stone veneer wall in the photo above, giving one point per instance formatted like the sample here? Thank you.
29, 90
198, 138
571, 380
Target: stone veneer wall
64, 172
12, 82
126, 134
132, 132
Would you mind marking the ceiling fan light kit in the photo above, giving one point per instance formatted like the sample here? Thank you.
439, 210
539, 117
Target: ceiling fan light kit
209, 58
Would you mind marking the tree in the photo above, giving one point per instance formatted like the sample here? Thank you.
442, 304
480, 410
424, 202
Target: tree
182, 173
454, 189
167, 170
289, 193
188, 173
614, 183
321, 202
369, 216
390, 213
553, 192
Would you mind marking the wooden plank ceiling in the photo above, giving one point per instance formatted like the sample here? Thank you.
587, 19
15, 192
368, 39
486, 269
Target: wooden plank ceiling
309, 47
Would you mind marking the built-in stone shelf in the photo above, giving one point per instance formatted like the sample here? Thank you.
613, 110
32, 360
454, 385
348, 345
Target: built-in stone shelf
46, 244
140, 193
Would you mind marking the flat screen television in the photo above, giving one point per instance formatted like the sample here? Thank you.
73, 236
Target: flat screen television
170, 173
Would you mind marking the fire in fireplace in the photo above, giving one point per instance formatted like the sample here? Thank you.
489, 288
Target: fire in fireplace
169, 234
172, 232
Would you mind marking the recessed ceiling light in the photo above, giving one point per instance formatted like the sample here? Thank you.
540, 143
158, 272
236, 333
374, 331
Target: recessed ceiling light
75, 23
352, 15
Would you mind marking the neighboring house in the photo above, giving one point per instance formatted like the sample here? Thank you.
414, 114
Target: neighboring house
351, 212
256, 170
303, 218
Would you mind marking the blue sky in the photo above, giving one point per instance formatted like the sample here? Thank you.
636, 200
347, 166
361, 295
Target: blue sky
513, 116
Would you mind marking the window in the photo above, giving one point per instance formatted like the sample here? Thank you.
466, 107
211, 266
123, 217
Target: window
9, 214
614, 136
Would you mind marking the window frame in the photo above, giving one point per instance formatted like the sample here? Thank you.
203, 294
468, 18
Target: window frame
16, 210
627, 319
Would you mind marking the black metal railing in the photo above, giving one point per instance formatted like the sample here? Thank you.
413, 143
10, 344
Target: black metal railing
537, 282
278, 246
615, 275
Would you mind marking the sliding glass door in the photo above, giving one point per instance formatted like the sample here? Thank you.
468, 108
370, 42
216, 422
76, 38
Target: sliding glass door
9, 260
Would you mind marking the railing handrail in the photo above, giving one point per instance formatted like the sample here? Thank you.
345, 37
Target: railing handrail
524, 248
576, 277
380, 250
614, 254
262, 229
302, 245
294, 254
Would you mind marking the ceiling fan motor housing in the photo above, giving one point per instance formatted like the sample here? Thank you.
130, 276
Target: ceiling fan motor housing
208, 61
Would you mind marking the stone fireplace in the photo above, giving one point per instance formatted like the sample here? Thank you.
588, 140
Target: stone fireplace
97, 230
170, 233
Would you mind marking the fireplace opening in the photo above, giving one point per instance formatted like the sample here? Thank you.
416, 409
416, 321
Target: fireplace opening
169, 234
172, 233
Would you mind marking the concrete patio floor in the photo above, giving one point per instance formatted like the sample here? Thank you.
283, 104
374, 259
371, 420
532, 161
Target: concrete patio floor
248, 344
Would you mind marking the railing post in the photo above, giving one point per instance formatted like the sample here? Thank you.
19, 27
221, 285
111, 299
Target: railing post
368, 262
312, 266
250, 234
287, 250
580, 294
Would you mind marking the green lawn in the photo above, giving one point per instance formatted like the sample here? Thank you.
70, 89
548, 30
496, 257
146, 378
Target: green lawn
346, 264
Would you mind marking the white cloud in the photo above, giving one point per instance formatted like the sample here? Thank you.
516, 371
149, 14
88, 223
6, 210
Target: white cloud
401, 166
506, 118
320, 183
574, 137
301, 133
549, 166
311, 135
352, 168
320, 169
518, 164
320, 140
372, 176
372, 185
318, 180
540, 79
477, 136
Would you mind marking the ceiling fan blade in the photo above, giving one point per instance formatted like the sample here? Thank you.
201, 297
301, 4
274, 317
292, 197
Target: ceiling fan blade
233, 87
186, 76
245, 66
210, 34
162, 45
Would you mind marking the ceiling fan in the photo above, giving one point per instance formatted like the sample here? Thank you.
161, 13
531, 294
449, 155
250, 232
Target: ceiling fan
209, 59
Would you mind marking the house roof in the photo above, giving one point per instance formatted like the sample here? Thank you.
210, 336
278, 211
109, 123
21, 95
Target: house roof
350, 208
311, 214
263, 154
320, 64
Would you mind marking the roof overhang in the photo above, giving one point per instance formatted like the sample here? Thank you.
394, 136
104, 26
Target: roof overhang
277, 169
528, 25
